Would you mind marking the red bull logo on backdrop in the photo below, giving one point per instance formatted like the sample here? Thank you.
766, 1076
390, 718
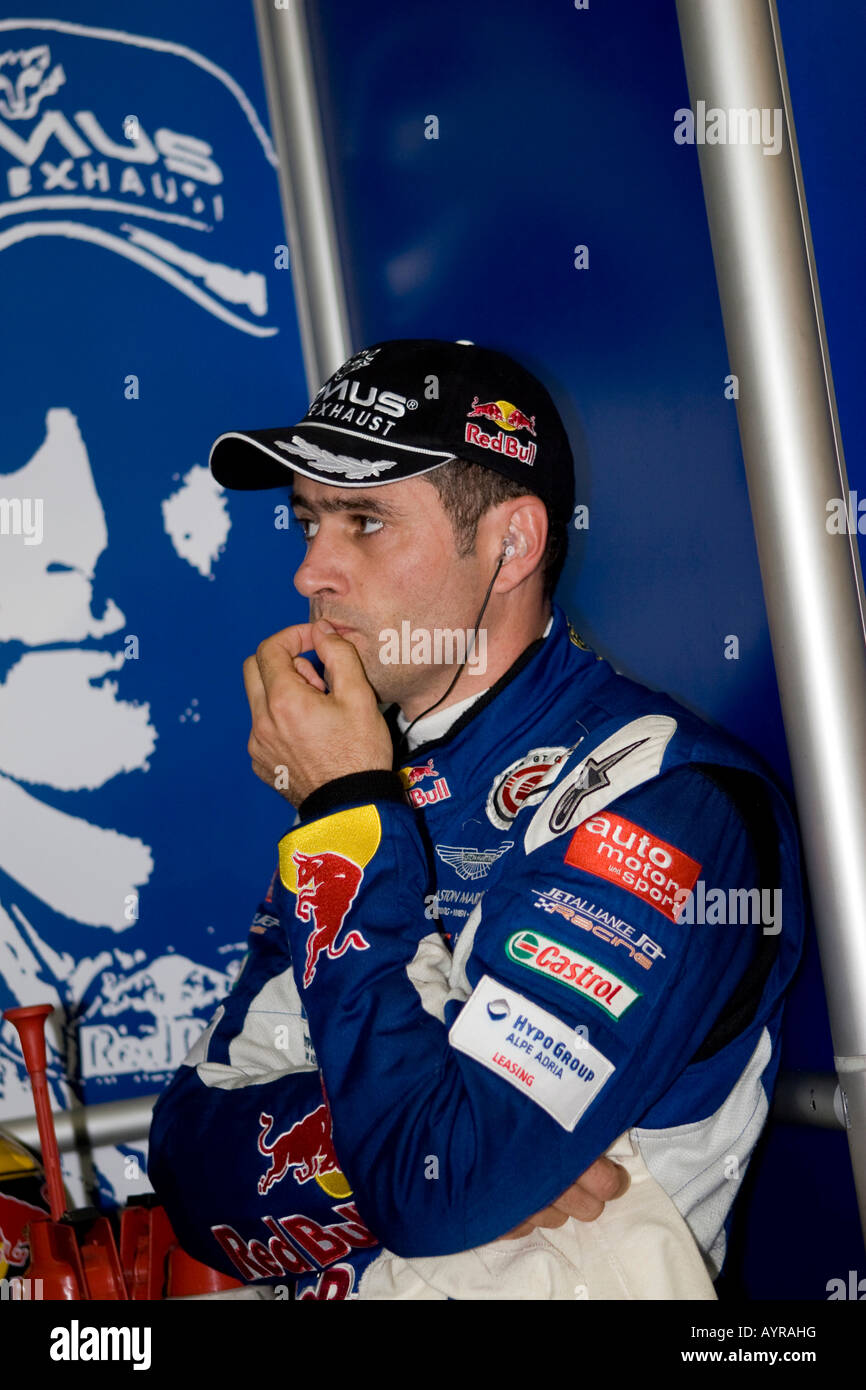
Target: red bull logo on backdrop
508, 418
135, 180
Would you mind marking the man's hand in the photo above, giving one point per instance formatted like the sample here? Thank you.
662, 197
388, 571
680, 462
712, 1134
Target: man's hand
303, 733
602, 1182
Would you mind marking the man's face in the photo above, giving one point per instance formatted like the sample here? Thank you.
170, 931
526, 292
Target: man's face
377, 558
62, 723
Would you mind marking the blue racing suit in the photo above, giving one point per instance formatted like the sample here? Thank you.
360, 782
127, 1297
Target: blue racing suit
560, 921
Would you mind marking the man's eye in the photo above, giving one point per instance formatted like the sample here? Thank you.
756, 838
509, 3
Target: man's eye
308, 527
370, 525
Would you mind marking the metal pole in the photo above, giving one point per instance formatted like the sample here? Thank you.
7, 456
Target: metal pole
802, 1098
789, 429
112, 1122
808, 1098
296, 125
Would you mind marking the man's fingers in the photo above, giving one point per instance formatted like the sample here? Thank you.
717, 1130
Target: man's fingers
275, 656
254, 687
306, 669
604, 1180
551, 1217
278, 657
518, 1231
343, 666
578, 1203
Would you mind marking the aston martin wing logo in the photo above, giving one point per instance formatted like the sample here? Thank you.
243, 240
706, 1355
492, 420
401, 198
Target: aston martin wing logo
471, 863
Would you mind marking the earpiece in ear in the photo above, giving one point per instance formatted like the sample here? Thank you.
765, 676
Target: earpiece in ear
509, 549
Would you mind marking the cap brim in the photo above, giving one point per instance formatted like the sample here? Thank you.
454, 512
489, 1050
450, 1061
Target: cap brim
242, 460
253, 459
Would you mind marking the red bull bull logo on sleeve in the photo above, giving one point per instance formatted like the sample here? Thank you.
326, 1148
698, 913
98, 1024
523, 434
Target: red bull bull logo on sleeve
306, 1149
323, 864
328, 884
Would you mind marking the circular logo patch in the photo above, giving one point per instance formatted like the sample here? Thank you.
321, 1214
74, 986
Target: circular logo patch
518, 784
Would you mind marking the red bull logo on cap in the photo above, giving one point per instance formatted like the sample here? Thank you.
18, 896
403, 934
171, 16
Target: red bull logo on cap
502, 413
508, 418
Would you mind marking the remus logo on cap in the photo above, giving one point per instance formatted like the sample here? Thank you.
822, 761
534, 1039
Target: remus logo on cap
400, 408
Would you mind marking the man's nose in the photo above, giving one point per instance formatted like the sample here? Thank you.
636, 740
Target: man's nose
323, 567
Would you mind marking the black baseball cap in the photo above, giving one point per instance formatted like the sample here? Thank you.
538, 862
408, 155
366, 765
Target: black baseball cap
403, 407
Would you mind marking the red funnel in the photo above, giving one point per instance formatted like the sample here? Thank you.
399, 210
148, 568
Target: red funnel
30, 1023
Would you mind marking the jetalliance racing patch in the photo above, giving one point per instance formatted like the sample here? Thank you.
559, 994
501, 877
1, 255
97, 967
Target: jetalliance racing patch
533, 1050
568, 967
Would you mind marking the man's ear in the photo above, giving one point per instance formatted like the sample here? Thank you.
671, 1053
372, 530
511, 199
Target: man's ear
521, 541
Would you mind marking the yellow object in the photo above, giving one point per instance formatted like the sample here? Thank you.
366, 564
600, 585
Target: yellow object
15, 1159
334, 1183
356, 834
21, 1177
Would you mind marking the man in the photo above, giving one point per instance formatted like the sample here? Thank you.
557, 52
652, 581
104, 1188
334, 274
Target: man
487, 971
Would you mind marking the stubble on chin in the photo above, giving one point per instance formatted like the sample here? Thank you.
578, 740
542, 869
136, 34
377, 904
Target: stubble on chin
392, 684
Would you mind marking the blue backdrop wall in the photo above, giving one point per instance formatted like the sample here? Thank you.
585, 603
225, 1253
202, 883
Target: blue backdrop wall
555, 131
145, 313
144, 310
